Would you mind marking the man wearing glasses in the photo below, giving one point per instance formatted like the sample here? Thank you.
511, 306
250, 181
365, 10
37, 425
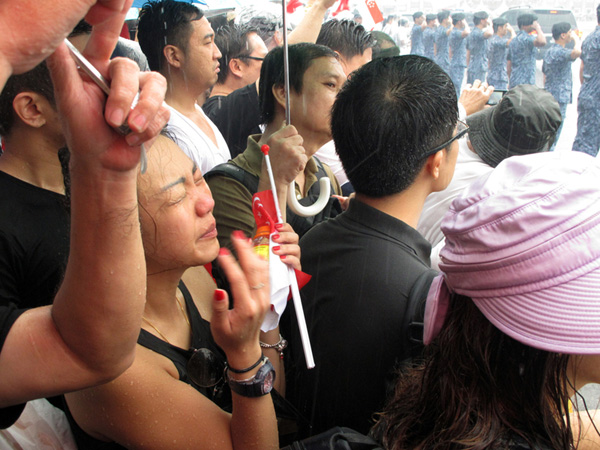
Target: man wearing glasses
398, 141
179, 43
525, 121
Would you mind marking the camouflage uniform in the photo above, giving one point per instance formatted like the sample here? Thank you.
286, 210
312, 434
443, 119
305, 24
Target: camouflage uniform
588, 103
428, 43
459, 58
442, 58
477, 44
416, 41
497, 50
521, 52
559, 79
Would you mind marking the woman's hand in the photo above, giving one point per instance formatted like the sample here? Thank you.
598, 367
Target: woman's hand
237, 330
287, 249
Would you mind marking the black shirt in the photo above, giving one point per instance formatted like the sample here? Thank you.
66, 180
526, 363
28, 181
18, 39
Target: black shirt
363, 265
236, 115
8, 315
34, 243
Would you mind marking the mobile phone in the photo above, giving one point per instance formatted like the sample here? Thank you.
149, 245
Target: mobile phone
496, 96
97, 78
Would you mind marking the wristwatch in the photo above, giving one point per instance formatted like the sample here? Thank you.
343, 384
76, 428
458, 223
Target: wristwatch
256, 386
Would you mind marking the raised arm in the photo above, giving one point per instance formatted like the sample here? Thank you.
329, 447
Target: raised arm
309, 27
88, 336
540, 40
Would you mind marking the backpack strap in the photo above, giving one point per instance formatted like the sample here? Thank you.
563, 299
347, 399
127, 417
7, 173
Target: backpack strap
230, 170
415, 311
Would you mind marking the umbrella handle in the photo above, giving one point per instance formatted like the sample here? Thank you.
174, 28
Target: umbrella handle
315, 208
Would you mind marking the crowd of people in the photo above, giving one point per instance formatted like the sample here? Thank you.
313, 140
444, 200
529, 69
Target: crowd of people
455, 267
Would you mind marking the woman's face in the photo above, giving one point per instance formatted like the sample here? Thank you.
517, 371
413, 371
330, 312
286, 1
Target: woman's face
178, 228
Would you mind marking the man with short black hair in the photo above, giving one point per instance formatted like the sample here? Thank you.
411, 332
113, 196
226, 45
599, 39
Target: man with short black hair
178, 42
416, 34
522, 51
395, 128
458, 50
587, 139
497, 51
558, 77
442, 55
477, 47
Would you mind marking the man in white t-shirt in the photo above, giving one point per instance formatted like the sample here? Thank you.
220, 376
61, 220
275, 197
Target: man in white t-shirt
525, 121
179, 43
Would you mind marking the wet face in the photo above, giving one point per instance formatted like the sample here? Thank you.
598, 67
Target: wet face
357, 61
503, 30
311, 109
419, 20
251, 67
201, 61
178, 228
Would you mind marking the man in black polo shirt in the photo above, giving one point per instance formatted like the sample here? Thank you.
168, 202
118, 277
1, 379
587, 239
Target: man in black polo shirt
397, 139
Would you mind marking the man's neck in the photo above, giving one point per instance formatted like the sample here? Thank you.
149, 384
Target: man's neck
561, 42
405, 206
181, 95
33, 161
221, 90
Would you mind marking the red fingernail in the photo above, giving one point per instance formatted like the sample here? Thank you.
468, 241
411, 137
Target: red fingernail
239, 235
224, 252
276, 237
219, 295
276, 248
278, 226
282, 257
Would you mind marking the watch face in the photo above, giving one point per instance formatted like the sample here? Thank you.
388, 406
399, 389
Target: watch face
268, 383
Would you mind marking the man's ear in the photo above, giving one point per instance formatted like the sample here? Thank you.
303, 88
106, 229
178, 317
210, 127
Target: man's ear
31, 107
434, 164
236, 68
279, 94
173, 55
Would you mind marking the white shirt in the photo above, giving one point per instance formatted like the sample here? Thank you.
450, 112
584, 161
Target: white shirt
469, 167
329, 156
195, 143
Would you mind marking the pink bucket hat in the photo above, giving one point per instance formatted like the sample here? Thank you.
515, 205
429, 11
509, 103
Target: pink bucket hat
524, 244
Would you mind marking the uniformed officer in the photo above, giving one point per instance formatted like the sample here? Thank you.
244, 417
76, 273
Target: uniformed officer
442, 57
497, 50
477, 45
416, 34
429, 36
522, 51
458, 50
557, 68
588, 102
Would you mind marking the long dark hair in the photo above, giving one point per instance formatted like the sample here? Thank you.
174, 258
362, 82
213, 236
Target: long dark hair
477, 388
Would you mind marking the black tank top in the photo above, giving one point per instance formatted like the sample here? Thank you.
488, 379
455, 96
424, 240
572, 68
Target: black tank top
201, 338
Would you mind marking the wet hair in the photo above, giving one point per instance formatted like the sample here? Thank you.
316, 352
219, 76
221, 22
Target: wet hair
478, 388
479, 16
443, 15
457, 17
526, 19
417, 14
162, 23
499, 22
560, 28
430, 17
36, 80
300, 57
346, 37
232, 41
390, 113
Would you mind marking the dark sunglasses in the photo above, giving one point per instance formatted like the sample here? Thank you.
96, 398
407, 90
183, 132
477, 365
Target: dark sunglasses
462, 129
205, 369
